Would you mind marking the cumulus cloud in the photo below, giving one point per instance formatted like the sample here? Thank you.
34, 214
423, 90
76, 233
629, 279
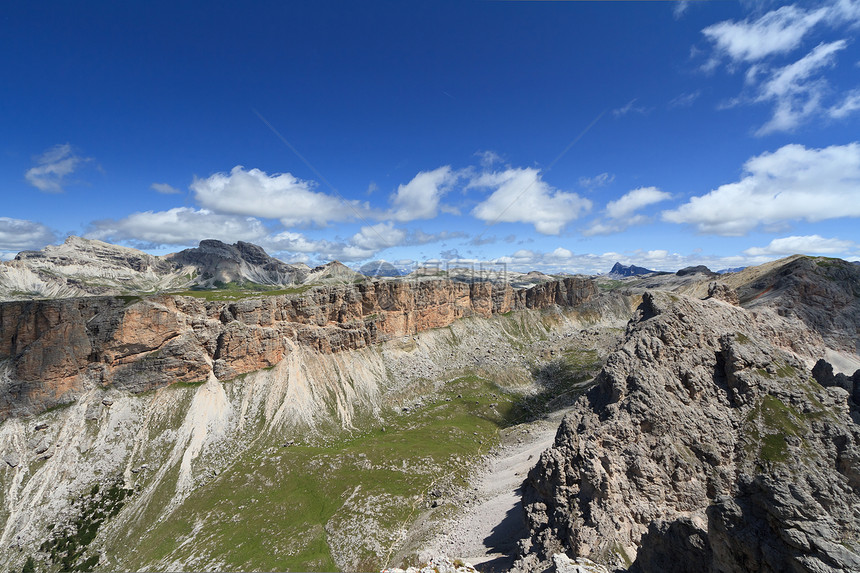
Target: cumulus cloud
377, 237
522, 196
278, 196
621, 213
179, 226
805, 244
792, 183
419, 199
634, 200
294, 243
777, 32
53, 167
19, 235
164, 189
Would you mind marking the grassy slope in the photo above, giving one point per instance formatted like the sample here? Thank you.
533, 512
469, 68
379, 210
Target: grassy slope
271, 507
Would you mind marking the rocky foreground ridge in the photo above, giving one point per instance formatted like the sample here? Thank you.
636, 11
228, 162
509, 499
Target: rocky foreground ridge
55, 349
707, 445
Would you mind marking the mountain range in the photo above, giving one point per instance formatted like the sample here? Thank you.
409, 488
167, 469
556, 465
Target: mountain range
218, 409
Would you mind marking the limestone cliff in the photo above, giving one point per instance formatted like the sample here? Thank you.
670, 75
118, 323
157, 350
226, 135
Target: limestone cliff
705, 446
52, 350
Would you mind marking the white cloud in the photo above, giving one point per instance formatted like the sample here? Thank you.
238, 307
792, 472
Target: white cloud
419, 237
53, 167
521, 196
777, 32
419, 199
845, 11
178, 226
601, 180
630, 107
685, 99
621, 213
790, 184
849, 104
279, 196
294, 243
680, 8
632, 201
806, 244
798, 91
377, 237
164, 189
794, 95
19, 234
363, 245
560, 254
488, 158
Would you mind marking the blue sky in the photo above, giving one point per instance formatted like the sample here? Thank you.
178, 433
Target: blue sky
544, 135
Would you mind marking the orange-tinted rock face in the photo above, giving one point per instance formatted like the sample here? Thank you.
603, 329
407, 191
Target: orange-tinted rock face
57, 348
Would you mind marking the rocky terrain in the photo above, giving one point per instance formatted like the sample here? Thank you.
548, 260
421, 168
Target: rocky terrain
218, 409
54, 350
133, 417
707, 444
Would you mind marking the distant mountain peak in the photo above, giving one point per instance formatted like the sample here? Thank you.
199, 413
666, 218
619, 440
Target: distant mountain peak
619, 270
240, 262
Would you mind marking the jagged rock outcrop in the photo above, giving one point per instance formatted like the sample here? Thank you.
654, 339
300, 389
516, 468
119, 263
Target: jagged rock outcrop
823, 374
705, 446
723, 292
55, 349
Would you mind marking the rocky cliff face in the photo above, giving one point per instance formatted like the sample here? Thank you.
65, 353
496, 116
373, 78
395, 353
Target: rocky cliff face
705, 446
52, 350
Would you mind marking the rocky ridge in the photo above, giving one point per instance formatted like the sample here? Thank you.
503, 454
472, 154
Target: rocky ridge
53, 350
684, 456
88, 267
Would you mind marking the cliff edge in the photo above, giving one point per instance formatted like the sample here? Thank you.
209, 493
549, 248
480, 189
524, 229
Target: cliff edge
52, 350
